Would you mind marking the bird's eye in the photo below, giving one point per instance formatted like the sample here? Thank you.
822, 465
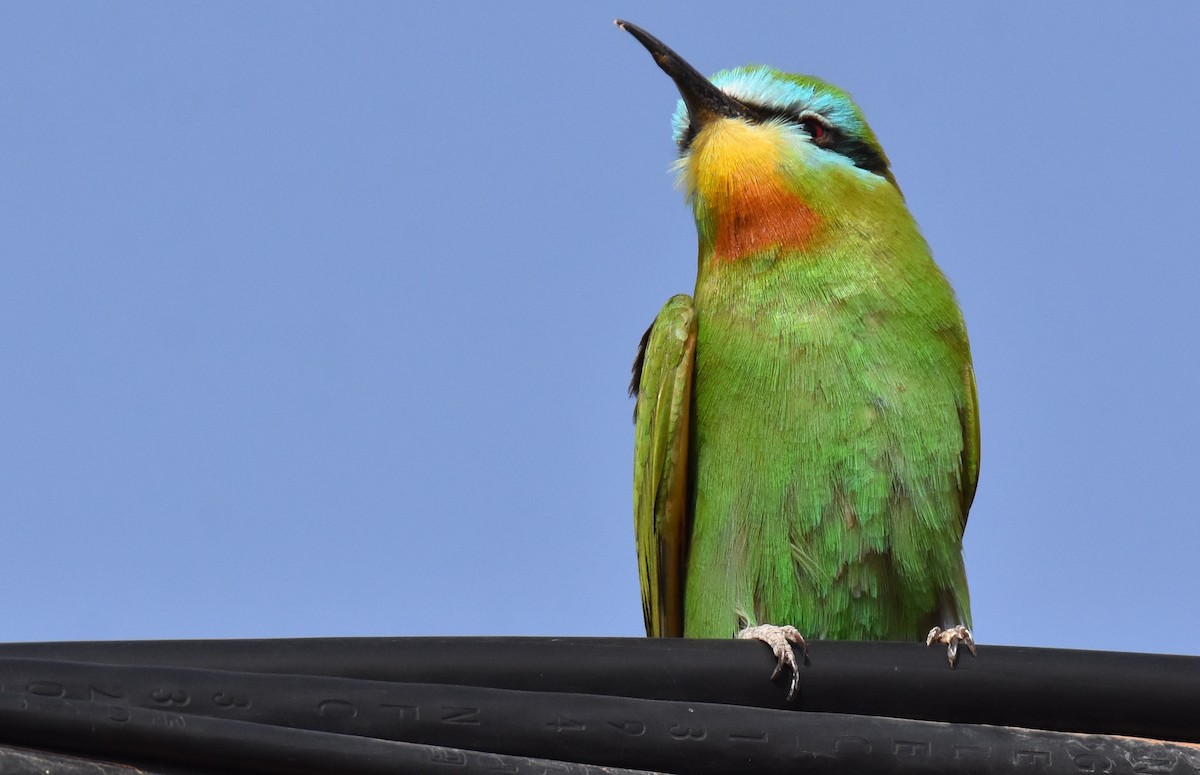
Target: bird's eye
818, 128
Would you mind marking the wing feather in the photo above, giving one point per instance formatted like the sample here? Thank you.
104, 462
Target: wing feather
663, 384
970, 453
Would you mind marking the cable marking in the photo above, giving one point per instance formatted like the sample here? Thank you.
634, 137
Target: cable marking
910, 748
688, 733
631, 728
1032, 758
404, 712
564, 724
455, 715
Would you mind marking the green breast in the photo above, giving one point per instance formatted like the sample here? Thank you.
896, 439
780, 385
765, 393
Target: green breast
827, 446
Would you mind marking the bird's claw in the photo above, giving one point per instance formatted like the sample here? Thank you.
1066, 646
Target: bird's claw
780, 639
952, 637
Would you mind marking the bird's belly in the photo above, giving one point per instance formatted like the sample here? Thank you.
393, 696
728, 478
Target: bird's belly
826, 486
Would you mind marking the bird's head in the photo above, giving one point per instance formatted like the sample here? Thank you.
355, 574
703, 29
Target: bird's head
772, 160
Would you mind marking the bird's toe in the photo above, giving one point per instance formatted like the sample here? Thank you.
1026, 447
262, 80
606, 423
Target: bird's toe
951, 637
781, 640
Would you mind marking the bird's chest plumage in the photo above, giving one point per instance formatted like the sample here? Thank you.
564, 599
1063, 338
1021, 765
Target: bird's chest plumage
821, 357
791, 384
826, 439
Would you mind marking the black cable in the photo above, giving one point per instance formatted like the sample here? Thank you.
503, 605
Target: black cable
255, 719
1144, 695
233, 746
377, 704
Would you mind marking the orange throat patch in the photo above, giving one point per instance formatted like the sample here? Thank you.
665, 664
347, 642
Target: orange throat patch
759, 218
734, 175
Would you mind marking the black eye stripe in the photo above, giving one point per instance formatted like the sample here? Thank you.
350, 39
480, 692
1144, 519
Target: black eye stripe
864, 155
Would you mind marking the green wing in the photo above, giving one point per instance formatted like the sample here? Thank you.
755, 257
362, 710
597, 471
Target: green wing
662, 380
970, 453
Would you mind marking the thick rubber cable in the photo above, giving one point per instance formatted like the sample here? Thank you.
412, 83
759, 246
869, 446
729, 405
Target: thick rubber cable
1143, 695
217, 717
232, 746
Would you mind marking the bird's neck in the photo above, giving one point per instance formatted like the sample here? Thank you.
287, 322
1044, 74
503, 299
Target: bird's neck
758, 216
734, 174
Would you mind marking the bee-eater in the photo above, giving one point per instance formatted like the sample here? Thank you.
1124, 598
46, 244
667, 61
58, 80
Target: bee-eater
807, 431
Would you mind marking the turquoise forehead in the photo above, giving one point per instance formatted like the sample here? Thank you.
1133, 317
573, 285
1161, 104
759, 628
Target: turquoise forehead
769, 87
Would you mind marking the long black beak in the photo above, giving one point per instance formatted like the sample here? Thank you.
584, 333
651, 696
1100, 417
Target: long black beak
704, 101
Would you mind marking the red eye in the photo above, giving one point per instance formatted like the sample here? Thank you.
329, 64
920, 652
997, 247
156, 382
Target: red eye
817, 129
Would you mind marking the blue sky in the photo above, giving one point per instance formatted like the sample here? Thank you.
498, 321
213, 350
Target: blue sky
316, 319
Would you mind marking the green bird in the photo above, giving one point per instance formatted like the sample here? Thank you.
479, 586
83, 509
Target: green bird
806, 423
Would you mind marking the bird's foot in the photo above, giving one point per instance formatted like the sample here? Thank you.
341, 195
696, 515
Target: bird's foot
780, 639
952, 637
